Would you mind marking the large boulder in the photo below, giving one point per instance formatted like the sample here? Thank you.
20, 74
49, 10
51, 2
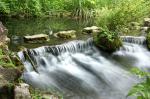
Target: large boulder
6, 91
10, 74
71, 34
147, 22
90, 30
38, 38
3, 82
107, 41
5, 60
3, 35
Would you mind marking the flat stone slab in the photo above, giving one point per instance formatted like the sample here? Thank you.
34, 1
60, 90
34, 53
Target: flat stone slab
38, 38
66, 34
90, 30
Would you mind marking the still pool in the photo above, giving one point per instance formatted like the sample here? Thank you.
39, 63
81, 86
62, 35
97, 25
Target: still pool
22, 27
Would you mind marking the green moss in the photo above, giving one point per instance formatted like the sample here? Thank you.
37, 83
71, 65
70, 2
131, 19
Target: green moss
5, 60
107, 41
35, 94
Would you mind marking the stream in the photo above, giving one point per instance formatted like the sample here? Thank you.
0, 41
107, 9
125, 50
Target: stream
76, 68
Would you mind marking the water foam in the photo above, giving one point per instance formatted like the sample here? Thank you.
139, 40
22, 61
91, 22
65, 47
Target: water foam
80, 71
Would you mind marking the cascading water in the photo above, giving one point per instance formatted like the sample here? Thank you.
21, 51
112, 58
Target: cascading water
132, 39
79, 71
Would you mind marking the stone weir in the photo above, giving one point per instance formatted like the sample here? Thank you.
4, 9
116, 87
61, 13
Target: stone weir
72, 46
79, 45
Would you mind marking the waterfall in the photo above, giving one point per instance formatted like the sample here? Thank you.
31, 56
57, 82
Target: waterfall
78, 70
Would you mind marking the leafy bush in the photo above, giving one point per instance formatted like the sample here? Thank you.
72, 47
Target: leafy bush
111, 13
107, 41
141, 90
81, 8
121, 13
4, 7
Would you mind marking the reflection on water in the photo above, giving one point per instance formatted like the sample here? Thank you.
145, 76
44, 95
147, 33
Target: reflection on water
19, 28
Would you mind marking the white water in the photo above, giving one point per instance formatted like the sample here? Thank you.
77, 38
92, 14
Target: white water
79, 71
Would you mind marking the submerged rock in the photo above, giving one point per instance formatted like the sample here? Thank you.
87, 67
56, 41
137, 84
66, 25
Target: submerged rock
135, 24
144, 30
66, 34
147, 22
22, 91
148, 40
90, 30
38, 38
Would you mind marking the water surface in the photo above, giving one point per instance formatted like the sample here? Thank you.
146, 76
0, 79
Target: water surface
19, 28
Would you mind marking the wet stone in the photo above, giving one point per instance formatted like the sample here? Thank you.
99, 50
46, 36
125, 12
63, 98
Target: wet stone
39, 38
90, 30
70, 34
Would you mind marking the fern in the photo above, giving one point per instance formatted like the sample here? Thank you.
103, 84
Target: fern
141, 90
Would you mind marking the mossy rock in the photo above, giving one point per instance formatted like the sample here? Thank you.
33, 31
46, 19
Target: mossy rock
107, 41
148, 40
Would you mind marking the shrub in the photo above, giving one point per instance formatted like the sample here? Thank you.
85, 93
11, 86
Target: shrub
4, 7
119, 15
81, 8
